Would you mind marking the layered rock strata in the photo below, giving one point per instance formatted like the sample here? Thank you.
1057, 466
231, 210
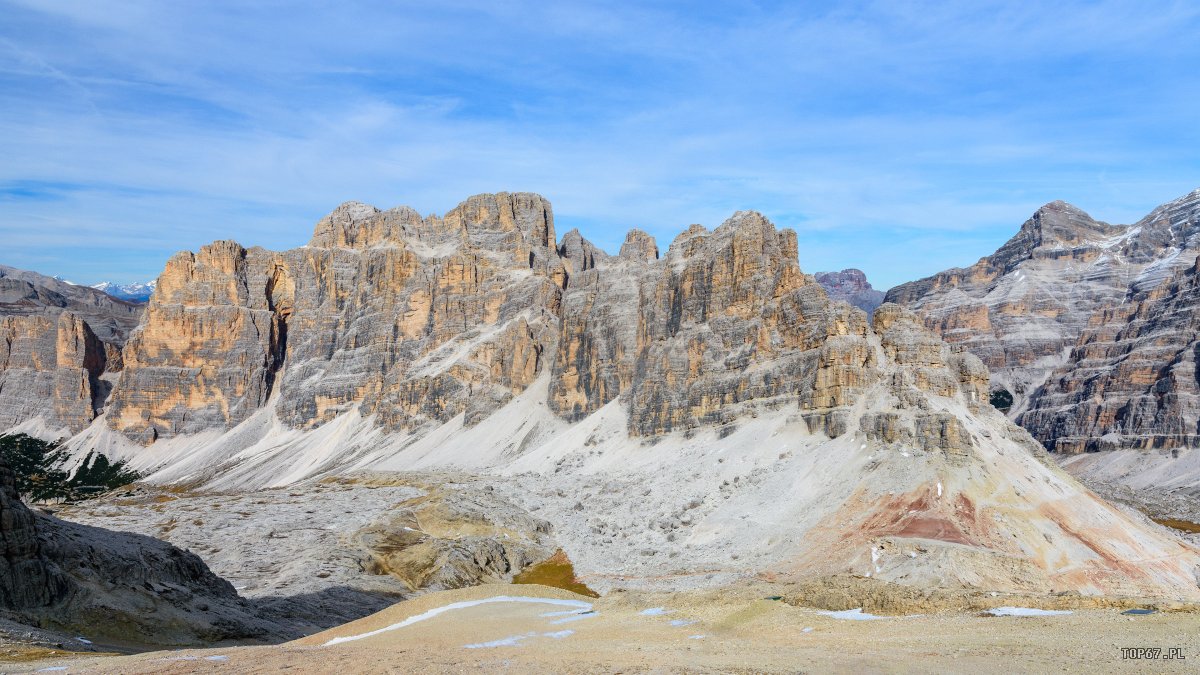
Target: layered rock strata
1131, 381
716, 368
57, 344
413, 320
1049, 300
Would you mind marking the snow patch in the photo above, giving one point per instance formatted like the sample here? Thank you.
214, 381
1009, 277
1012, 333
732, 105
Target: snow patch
1026, 611
510, 641
576, 617
459, 605
853, 615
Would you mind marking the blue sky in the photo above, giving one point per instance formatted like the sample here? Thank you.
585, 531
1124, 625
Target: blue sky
898, 137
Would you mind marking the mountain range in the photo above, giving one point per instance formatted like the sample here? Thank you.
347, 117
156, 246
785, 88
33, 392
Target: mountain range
652, 401
136, 292
1090, 328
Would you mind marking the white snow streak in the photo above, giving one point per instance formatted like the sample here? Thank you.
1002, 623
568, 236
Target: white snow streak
1026, 611
460, 605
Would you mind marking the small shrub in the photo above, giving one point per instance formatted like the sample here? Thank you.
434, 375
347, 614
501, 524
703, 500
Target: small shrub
1002, 400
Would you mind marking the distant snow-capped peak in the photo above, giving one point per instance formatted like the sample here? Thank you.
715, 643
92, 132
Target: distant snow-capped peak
137, 292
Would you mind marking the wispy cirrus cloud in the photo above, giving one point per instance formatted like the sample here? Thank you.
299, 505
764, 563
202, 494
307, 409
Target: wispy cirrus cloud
900, 137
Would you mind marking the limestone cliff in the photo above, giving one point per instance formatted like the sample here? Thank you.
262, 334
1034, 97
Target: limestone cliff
413, 320
57, 341
418, 320
645, 402
50, 367
1024, 309
1131, 381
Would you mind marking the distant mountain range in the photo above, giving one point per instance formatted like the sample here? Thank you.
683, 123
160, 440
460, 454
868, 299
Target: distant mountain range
138, 292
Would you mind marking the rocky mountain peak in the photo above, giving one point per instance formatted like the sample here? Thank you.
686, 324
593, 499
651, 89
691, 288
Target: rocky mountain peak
358, 225
1061, 223
639, 246
577, 253
1082, 322
851, 279
850, 285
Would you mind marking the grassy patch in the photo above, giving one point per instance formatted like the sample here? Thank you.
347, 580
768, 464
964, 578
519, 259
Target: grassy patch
556, 571
1182, 525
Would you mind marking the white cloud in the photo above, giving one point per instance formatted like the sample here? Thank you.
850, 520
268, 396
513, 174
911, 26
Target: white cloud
181, 123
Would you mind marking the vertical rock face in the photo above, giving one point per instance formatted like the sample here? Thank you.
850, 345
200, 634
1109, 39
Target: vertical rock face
728, 319
414, 320
56, 341
50, 367
850, 285
1131, 381
418, 320
209, 347
1024, 309
688, 338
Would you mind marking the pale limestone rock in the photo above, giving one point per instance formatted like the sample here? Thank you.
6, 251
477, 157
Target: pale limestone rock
1082, 322
57, 340
1131, 381
639, 246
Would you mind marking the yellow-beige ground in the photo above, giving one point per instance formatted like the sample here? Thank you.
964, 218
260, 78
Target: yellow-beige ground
727, 631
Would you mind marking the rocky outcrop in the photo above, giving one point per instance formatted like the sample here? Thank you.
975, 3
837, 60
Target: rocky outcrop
724, 323
27, 580
452, 539
1024, 309
111, 585
57, 342
50, 367
850, 285
412, 320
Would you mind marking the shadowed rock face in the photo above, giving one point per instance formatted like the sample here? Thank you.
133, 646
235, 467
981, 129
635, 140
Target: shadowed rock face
57, 340
112, 585
850, 285
1046, 308
27, 580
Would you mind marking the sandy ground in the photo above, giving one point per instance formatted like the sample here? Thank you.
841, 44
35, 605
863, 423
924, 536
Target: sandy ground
730, 631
